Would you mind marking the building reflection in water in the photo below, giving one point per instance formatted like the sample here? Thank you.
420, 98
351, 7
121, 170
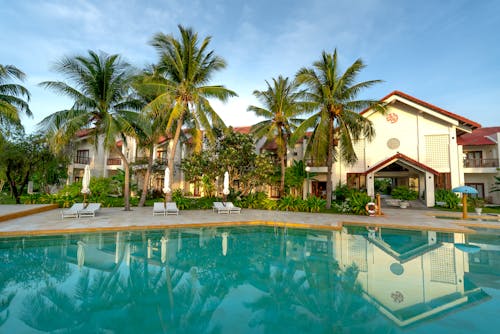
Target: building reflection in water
407, 277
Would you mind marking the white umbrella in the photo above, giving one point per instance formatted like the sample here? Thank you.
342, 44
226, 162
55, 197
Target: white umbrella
224, 243
80, 254
166, 185
163, 242
86, 183
225, 191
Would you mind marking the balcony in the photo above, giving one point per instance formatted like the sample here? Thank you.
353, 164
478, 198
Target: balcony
480, 163
81, 160
315, 163
114, 162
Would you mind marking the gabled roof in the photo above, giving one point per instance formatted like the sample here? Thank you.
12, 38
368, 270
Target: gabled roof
462, 120
402, 157
481, 136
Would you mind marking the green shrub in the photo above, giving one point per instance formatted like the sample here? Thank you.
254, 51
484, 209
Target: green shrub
450, 199
404, 193
256, 200
341, 192
358, 201
290, 203
314, 204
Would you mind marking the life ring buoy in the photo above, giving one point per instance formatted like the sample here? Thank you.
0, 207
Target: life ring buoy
371, 208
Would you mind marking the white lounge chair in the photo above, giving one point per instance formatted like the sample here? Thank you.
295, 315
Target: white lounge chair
172, 209
90, 210
220, 207
73, 211
159, 209
232, 208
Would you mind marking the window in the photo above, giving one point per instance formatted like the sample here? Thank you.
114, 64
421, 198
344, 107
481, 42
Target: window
479, 187
82, 157
196, 189
356, 181
161, 155
473, 159
275, 191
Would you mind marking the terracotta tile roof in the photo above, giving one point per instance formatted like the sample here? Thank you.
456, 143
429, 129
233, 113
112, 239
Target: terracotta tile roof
459, 118
83, 132
401, 156
270, 145
479, 136
242, 129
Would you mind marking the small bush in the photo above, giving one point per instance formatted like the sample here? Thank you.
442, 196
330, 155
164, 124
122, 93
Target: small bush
450, 199
404, 193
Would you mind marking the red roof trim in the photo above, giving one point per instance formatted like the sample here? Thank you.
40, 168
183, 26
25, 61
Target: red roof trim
429, 106
401, 156
479, 137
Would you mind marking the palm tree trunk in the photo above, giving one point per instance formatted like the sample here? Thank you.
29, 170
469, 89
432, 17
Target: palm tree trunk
171, 157
145, 185
329, 162
126, 186
283, 165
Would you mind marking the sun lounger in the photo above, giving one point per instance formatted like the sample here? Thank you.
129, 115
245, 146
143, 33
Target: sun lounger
159, 209
73, 211
172, 208
220, 207
90, 210
232, 208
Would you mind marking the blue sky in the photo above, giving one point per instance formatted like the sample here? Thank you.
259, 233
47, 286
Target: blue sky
443, 52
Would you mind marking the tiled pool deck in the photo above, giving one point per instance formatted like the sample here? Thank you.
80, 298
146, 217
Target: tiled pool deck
50, 222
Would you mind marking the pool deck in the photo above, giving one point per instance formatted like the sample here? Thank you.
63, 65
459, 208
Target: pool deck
44, 219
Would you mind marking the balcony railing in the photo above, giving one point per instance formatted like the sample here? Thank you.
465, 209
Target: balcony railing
315, 163
480, 163
82, 160
114, 161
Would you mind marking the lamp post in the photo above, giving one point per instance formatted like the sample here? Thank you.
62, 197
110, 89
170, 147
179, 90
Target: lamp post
308, 169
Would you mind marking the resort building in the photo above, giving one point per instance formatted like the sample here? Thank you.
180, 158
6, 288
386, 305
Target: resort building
416, 144
419, 145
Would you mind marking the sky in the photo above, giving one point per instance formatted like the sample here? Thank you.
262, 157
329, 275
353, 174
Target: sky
443, 52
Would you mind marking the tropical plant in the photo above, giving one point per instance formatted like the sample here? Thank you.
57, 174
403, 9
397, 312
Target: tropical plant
255, 200
14, 98
337, 122
181, 201
184, 68
283, 102
496, 187
404, 193
296, 174
314, 204
358, 201
476, 202
99, 86
341, 192
289, 203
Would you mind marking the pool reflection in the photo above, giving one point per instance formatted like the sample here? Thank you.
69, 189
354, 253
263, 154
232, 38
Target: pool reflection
243, 279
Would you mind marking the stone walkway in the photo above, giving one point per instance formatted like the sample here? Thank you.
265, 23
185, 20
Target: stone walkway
50, 222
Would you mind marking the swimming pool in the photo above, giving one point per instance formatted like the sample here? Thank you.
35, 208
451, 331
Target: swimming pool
251, 280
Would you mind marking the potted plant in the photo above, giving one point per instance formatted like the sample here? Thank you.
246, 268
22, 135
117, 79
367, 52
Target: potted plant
477, 203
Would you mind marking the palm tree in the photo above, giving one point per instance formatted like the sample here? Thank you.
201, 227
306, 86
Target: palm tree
337, 122
153, 127
100, 90
11, 95
282, 102
186, 67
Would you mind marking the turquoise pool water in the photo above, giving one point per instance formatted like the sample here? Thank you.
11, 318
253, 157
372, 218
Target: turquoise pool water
251, 280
